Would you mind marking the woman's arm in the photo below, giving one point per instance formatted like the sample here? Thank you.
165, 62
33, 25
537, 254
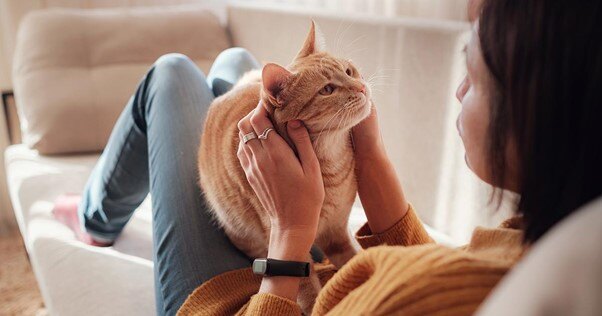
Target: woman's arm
380, 192
290, 189
378, 186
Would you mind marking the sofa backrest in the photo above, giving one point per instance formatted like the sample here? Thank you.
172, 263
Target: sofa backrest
561, 274
74, 70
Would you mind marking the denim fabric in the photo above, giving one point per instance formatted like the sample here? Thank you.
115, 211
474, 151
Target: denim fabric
154, 147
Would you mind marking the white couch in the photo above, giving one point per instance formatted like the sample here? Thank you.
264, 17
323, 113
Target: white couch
76, 279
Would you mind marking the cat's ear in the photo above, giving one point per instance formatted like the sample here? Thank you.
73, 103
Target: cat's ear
274, 78
314, 42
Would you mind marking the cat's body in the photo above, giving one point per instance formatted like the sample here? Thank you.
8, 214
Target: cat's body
234, 203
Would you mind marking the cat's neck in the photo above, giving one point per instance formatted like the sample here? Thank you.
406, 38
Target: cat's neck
331, 145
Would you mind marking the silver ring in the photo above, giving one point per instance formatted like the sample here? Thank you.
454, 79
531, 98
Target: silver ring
265, 133
248, 137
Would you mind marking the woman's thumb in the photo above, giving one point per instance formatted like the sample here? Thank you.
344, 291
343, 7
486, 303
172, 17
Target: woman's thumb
300, 137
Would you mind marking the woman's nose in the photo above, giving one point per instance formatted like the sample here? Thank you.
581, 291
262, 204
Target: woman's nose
462, 88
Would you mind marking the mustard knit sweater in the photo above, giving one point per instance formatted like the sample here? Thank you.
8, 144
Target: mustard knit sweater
401, 271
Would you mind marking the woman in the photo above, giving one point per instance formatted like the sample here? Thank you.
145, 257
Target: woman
531, 106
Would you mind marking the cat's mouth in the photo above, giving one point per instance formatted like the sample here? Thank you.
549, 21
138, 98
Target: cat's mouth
361, 111
343, 119
353, 115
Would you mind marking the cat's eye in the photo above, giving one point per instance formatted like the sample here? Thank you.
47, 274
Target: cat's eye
327, 90
349, 72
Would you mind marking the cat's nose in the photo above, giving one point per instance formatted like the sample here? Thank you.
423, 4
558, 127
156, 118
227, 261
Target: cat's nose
361, 88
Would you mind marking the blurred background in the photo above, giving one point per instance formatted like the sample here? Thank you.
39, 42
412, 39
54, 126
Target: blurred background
67, 68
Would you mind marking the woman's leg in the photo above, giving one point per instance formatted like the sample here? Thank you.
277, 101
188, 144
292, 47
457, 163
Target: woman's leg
154, 145
228, 67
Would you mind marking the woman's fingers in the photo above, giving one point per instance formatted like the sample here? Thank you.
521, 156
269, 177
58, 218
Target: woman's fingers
300, 137
245, 128
273, 145
260, 121
243, 153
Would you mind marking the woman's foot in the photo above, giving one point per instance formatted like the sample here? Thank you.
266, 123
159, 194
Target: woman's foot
65, 211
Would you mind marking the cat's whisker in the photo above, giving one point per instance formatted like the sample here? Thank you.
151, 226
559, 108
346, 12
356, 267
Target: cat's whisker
389, 69
383, 71
342, 36
372, 77
380, 84
341, 120
326, 125
374, 88
347, 119
350, 45
378, 76
336, 38
376, 80
361, 49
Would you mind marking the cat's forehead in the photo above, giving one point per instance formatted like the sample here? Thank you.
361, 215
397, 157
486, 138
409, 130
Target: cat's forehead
322, 63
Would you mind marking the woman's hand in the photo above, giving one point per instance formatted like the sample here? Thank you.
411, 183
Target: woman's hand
378, 187
367, 139
289, 188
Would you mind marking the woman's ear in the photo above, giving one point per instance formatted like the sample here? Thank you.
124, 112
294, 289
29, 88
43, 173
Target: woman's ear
314, 42
274, 78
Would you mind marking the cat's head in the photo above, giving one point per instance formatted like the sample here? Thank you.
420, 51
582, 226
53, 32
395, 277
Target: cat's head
327, 93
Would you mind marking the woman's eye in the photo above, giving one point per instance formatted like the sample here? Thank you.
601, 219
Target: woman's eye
327, 90
349, 72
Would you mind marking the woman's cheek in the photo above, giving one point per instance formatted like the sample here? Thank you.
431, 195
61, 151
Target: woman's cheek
472, 126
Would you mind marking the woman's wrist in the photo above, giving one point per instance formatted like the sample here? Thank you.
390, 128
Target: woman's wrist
366, 154
380, 192
290, 244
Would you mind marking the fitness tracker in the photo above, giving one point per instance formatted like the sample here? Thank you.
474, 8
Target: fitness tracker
275, 267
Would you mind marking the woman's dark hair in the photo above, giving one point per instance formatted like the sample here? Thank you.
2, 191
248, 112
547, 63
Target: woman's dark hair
545, 60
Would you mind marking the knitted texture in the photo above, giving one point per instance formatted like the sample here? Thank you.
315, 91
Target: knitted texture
401, 272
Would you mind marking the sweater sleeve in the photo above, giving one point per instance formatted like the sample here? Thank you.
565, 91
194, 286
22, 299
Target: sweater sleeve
407, 232
269, 304
235, 293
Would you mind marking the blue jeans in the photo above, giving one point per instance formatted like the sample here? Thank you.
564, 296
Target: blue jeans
154, 147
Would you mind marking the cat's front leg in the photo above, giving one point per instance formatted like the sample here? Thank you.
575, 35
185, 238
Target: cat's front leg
337, 246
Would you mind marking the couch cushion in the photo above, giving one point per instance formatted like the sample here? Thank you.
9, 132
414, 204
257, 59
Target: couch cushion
68, 271
74, 70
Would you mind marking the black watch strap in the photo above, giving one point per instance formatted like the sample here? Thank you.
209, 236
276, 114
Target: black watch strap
275, 267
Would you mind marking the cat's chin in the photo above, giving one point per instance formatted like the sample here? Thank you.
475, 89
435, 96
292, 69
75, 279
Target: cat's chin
359, 113
355, 116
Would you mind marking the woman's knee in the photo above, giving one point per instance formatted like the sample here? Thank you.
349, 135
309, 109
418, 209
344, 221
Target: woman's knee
176, 81
176, 64
238, 57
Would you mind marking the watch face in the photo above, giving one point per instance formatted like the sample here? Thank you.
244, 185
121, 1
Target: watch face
260, 266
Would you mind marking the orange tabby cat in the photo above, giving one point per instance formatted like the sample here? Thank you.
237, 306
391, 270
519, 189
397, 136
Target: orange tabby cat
329, 96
